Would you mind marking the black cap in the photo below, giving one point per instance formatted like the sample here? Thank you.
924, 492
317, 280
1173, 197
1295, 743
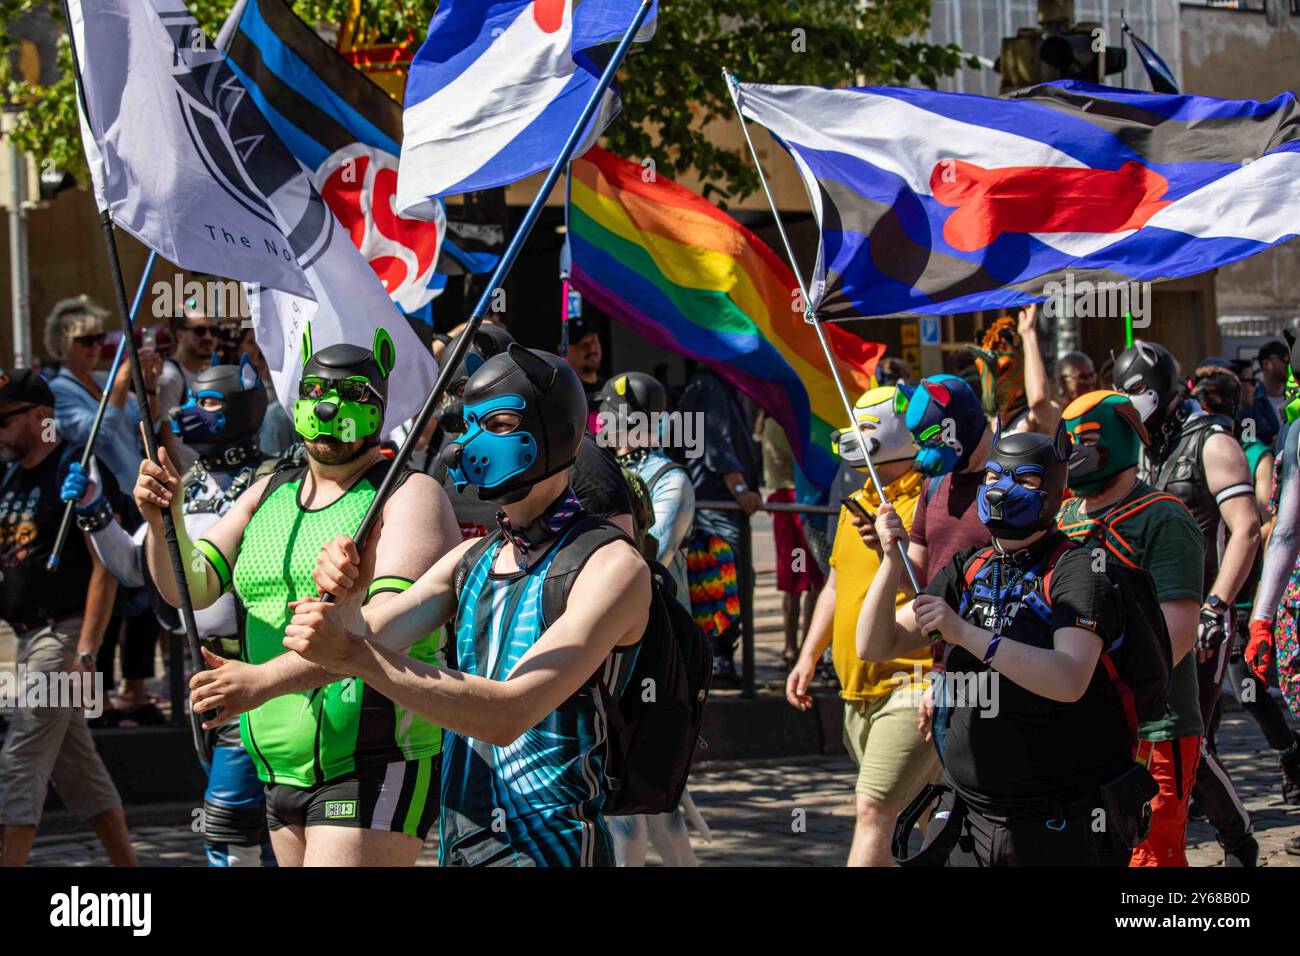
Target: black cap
579, 329
24, 386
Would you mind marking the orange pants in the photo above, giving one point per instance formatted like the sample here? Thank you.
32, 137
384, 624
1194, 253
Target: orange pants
1173, 764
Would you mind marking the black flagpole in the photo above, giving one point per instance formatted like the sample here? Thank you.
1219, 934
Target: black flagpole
150, 445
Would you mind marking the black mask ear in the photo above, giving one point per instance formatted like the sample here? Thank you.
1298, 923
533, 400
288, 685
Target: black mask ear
1062, 444
1290, 338
538, 370
306, 344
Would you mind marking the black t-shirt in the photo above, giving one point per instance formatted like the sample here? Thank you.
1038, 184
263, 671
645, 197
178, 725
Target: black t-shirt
598, 480
30, 513
1007, 748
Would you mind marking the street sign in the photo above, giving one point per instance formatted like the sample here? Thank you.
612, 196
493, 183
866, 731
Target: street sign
930, 330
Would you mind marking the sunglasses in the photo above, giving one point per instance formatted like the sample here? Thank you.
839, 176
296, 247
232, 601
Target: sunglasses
92, 338
7, 417
202, 331
349, 389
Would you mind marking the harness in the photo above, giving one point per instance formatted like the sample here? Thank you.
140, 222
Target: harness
197, 482
1029, 590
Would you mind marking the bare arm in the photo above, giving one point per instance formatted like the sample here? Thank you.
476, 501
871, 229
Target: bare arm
608, 606
1043, 412
820, 634
395, 557
1230, 481
1061, 672
99, 605
884, 630
1263, 496
1181, 618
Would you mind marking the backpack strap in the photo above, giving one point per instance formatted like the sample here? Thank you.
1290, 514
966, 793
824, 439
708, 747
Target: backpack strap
1122, 690
471, 557
975, 571
660, 472
589, 534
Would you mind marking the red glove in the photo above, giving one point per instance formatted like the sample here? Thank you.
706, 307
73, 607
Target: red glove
1259, 649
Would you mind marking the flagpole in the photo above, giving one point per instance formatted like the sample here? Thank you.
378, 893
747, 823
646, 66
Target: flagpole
56, 553
462, 343
566, 264
146, 416
810, 316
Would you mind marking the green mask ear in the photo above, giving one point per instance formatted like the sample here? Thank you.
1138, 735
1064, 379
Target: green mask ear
385, 351
306, 344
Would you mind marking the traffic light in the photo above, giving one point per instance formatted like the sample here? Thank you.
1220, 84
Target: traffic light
1075, 55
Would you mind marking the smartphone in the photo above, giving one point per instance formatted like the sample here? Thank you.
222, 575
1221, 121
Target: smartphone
856, 509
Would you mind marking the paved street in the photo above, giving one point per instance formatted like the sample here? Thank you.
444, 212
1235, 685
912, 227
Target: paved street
794, 812
790, 812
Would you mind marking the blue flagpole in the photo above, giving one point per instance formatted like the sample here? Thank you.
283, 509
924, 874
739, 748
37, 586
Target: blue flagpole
452, 359
56, 554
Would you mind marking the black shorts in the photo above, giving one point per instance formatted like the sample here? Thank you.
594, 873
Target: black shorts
402, 797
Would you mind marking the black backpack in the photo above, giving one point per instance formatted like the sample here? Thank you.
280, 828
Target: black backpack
1139, 662
653, 728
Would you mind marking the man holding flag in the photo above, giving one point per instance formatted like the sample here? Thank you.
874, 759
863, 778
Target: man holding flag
351, 778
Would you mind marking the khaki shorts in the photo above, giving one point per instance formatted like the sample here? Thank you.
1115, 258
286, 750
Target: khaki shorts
51, 745
894, 760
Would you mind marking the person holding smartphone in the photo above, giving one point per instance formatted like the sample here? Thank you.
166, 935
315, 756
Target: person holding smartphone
880, 698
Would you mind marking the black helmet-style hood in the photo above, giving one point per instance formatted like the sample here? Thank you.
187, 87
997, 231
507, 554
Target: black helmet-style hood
637, 391
1146, 373
1007, 503
546, 394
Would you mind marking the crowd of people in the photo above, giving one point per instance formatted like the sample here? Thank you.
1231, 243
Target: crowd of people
1091, 566
977, 611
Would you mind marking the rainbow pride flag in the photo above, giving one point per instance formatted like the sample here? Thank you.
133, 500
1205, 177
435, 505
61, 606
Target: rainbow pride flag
686, 276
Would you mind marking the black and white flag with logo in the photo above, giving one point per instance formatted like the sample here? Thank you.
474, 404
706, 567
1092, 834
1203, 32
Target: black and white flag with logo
169, 133
186, 162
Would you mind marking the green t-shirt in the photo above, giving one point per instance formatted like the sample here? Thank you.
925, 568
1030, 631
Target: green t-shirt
307, 738
1154, 530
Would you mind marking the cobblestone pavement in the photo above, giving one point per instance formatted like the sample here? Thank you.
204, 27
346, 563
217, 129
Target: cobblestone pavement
792, 812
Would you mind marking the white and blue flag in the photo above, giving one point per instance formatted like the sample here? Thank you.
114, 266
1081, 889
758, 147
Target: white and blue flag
497, 87
932, 203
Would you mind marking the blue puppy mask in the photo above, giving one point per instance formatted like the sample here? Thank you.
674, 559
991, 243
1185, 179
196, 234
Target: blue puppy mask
488, 460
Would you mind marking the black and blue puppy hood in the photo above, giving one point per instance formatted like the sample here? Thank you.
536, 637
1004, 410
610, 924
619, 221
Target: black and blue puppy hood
243, 401
547, 398
1008, 508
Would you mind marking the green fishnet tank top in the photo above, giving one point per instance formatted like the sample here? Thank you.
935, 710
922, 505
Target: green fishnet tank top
305, 739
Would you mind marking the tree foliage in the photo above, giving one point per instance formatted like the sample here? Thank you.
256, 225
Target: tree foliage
672, 87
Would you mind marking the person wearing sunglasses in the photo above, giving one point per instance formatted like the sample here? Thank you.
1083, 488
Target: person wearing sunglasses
350, 778
74, 335
196, 337
59, 618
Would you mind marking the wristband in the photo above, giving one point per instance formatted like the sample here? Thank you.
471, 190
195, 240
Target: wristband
97, 518
992, 648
